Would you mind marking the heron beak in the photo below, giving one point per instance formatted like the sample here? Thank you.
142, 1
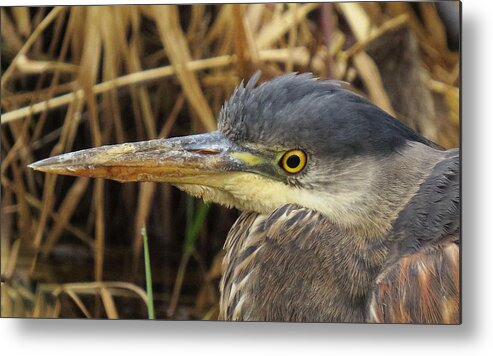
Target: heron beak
197, 159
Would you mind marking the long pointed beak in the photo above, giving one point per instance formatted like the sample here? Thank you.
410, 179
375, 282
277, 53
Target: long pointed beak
189, 159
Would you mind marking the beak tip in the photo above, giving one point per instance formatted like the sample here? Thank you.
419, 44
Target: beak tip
43, 165
34, 166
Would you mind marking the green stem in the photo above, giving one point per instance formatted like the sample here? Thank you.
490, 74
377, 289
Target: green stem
147, 260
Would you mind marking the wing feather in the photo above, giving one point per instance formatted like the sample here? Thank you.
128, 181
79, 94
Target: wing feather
419, 288
420, 281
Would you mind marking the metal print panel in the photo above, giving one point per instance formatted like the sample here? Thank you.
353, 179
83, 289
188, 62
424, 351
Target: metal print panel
252, 162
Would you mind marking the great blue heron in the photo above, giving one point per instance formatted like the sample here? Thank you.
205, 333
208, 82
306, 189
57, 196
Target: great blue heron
348, 215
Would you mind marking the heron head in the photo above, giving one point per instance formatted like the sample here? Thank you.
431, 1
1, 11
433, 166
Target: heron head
293, 140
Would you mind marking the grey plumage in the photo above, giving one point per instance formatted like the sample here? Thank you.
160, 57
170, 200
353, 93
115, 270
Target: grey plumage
299, 110
433, 213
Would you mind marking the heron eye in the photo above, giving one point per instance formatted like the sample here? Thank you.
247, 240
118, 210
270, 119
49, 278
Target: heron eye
293, 161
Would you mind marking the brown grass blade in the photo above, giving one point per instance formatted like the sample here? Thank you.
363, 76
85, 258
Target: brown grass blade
22, 20
78, 302
99, 233
28, 66
48, 202
293, 35
170, 121
357, 18
115, 51
6, 227
81, 235
109, 304
91, 55
55, 314
67, 208
31, 40
246, 36
361, 27
426, 45
89, 69
196, 25
434, 25
11, 261
39, 303
92, 288
11, 39
387, 26
11, 160
126, 80
254, 16
271, 32
17, 100
241, 50
143, 95
217, 30
370, 75
167, 20
268, 55
7, 306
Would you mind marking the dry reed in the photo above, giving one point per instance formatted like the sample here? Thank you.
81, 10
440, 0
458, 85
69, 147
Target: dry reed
77, 77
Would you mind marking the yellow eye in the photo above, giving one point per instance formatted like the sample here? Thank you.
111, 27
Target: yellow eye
293, 161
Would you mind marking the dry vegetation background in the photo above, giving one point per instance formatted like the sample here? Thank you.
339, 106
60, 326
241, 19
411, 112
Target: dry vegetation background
79, 77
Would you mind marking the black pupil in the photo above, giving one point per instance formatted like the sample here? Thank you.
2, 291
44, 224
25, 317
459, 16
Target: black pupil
293, 161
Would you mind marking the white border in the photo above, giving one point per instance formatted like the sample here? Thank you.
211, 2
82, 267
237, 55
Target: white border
474, 337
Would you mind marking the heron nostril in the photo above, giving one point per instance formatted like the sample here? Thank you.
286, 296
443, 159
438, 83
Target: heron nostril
204, 151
